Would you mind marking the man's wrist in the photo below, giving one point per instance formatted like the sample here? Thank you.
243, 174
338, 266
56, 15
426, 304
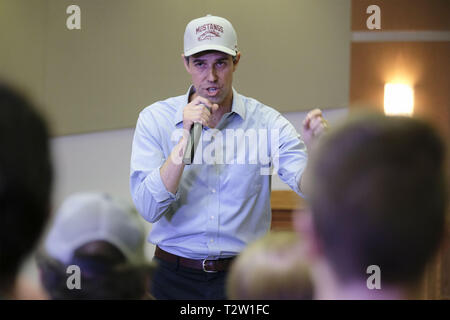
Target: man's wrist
177, 154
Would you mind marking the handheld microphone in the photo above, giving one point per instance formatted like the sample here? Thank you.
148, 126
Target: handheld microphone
194, 137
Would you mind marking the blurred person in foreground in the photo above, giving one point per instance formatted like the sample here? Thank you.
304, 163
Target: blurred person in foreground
105, 240
378, 200
278, 272
25, 188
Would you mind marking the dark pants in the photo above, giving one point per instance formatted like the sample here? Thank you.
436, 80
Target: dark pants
173, 282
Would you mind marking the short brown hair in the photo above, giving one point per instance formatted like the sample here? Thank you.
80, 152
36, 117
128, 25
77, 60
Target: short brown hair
378, 197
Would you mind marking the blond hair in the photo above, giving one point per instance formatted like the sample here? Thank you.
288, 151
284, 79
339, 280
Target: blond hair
273, 268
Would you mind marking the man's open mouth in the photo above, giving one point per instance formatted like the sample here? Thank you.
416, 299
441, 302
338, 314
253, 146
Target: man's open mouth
212, 91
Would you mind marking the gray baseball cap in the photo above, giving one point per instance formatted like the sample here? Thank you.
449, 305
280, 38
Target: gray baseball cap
87, 217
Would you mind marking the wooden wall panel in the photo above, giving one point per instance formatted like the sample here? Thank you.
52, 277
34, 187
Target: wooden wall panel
404, 14
425, 66
285, 204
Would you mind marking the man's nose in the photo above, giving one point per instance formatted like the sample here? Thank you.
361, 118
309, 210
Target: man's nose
212, 75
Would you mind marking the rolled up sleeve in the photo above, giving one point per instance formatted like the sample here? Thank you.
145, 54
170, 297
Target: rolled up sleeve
292, 154
148, 191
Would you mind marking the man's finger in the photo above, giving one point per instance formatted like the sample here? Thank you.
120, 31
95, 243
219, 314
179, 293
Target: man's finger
314, 113
315, 122
204, 118
205, 111
202, 100
319, 130
311, 115
306, 122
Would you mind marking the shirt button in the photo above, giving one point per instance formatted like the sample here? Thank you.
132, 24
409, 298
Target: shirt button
213, 190
212, 217
212, 240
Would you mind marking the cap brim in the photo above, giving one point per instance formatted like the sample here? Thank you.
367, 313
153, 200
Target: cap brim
210, 47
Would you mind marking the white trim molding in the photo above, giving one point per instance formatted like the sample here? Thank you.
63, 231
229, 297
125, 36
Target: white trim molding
400, 36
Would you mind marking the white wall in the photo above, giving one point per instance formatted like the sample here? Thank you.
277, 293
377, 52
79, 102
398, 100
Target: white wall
92, 162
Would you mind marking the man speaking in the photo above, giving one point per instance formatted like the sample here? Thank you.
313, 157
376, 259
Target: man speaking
205, 213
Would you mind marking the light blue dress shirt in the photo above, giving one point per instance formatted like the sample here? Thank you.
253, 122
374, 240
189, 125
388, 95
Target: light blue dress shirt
223, 199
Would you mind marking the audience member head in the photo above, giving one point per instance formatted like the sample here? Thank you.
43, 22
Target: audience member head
271, 268
25, 183
377, 198
105, 240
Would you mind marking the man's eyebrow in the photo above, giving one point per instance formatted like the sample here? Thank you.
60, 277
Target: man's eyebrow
198, 60
203, 60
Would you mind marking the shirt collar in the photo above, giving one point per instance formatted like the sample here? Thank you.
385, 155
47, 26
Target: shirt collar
237, 105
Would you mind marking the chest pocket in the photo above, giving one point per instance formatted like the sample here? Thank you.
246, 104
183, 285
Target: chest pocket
242, 181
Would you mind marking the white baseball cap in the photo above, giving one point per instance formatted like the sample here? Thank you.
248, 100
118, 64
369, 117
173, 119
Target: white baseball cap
87, 217
210, 33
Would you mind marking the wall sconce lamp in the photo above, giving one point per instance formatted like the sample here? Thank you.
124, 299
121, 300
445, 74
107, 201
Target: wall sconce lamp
398, 99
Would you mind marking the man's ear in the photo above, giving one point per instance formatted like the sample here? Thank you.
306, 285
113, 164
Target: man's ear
236, 60
304, 226
185, 62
